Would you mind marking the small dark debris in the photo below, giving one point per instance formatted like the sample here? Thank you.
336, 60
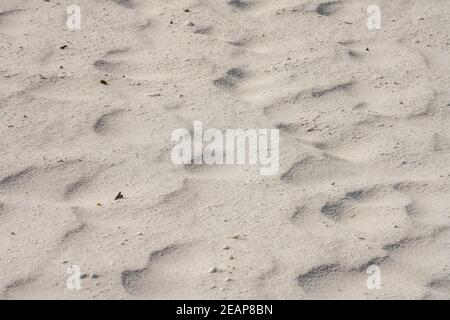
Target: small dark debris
119, 196
63, 47
104, 82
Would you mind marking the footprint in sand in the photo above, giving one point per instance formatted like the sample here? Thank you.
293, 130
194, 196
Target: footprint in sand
176, 271
239, 4
327, 8
125, 3
231, 79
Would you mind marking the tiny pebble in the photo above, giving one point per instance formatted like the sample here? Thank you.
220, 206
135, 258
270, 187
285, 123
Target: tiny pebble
212, 270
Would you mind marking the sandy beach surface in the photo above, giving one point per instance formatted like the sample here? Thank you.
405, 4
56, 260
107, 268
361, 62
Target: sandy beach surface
362, 192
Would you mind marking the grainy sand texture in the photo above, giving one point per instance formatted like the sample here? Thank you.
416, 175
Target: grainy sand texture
359, 208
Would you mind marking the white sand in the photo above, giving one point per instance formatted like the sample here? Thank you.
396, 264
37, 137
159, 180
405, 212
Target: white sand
364, 156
